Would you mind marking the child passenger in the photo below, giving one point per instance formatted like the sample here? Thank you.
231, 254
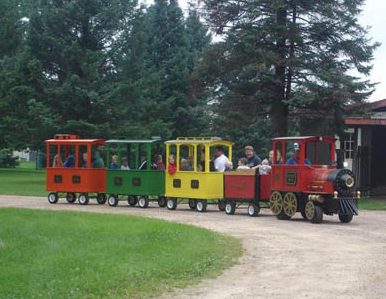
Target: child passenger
172, 168
114, 162
242, 164
265, 168
125, 164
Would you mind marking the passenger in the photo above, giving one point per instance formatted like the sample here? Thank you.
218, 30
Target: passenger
242, 164
70, 161
159, 165
84, 160
125, 164
253, 160
114, 162
172, 168
57, 161
265, 168
97, 161
143, 165
201, 166
278, 157
185, 166
221, 159
296, 157
229, 166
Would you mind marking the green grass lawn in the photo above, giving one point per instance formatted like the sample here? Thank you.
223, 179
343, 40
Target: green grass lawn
372, 204
83, 255
23, 180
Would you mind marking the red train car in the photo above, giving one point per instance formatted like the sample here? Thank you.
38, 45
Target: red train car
246, 187
75, 166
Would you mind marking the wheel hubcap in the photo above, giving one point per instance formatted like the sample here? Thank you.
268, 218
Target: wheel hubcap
111, 200
276, 202
142, 202
228, 208
251, 210
170, 204
290, 204
199, 206
310, 210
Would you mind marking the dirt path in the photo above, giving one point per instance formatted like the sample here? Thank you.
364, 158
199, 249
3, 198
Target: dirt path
283, 259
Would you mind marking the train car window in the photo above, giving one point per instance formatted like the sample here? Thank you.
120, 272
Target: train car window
291, 152
82, 156
67, 152
324, 153
279, 153
98, 156
187, 158
55, 159
311, 151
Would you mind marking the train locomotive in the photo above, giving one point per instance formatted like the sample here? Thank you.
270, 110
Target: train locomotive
304, 177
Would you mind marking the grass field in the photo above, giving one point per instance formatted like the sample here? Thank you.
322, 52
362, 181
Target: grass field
23, 180
80, 255
372, 204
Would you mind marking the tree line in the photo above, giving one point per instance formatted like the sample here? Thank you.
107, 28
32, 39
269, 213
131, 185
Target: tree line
119, 69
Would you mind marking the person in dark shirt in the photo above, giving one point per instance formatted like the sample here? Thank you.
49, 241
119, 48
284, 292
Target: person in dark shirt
253, 160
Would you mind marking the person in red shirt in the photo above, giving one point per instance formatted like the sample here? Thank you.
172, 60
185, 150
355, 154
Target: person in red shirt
172, 168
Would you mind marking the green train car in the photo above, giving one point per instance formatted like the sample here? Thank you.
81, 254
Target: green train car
136, 172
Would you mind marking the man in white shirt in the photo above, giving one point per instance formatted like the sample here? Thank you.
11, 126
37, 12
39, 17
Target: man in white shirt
221, 160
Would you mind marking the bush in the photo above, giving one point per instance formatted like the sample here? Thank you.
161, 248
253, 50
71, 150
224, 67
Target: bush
6, 159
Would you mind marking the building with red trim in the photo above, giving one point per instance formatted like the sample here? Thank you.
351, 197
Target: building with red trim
365, 146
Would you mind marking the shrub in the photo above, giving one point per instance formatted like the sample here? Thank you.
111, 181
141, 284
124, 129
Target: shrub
6, 159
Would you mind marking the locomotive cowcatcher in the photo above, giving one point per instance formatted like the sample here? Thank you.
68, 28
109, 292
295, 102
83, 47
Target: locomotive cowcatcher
305, 179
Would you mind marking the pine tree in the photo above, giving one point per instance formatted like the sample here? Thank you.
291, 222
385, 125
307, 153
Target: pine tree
289, 57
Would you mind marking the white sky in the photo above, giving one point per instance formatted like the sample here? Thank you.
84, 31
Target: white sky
373, 15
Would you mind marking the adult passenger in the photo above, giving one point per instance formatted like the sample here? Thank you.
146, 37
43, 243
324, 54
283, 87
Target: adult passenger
221, 160
253, 160
172, 168
295, 160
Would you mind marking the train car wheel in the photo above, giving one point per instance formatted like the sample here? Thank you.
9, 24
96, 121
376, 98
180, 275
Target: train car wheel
290, 204
230, 207
71, 197
132, 200
83, 198
344, 218
192, 204
161, 202
112, 201
143, 202
276, 202
53, 197
221, 205
171, 203
101, 198
253, 209
201, 206
314, 213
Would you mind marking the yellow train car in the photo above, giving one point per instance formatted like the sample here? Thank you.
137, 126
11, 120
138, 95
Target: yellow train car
193, 176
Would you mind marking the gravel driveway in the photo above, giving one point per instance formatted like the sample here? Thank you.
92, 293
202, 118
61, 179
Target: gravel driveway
283, 259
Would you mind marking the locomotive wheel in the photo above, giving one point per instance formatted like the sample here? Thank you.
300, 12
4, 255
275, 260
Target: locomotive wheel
253, 209
290, 204
171, 203
161, 202
112, 201
83, 199
71, 197
132, 200
143, 202
53, 197
221, 205
230, 207
313, 213
201, 206
192, 204
101, 198
276, 202
344, 218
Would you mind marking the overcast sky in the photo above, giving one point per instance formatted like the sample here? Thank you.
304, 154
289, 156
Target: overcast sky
374, 16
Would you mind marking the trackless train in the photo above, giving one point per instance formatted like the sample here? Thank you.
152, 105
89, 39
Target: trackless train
312, 185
